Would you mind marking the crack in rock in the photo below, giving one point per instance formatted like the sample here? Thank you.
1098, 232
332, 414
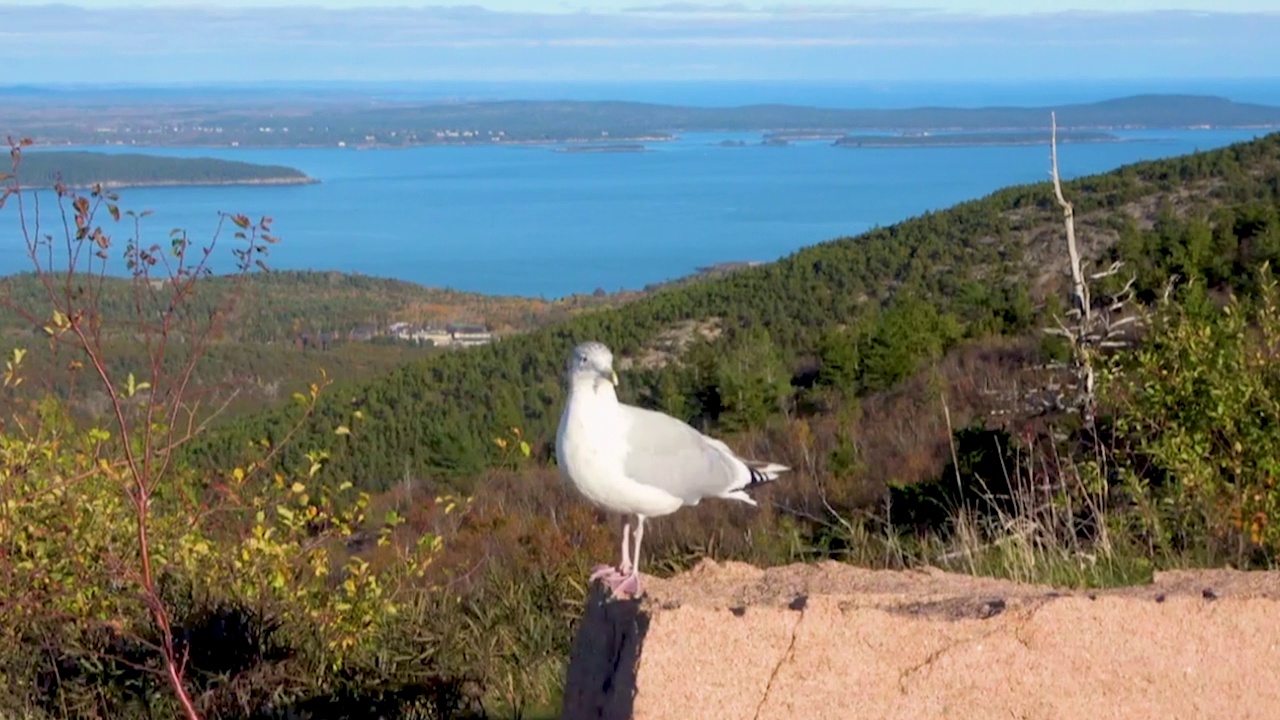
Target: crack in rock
790, 652
934, 656
1015, 627
949, 647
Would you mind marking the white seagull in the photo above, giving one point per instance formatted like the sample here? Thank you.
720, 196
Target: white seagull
634, 461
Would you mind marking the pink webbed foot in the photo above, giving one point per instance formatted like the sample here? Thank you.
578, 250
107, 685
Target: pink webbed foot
609, 575
628, 586
621, 584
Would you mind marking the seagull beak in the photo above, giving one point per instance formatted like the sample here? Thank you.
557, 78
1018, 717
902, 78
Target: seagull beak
614, 376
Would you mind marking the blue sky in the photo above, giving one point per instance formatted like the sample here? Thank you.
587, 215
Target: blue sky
164, 41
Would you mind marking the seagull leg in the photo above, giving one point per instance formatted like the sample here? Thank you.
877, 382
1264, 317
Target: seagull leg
625, 567
630, 584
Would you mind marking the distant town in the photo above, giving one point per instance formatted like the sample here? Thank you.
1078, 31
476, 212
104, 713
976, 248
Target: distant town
453, 335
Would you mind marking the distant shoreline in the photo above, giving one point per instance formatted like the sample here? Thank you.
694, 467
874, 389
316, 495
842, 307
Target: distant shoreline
586, 125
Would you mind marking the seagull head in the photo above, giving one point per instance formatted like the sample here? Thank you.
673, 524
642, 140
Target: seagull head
593, 361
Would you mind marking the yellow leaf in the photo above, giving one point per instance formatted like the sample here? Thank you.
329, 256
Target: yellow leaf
342, 430
298, 487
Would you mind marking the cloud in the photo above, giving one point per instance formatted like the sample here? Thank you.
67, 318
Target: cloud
691, 8
65, 43
810, 10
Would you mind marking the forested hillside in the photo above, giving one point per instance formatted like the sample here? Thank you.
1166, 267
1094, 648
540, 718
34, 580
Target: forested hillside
859, 314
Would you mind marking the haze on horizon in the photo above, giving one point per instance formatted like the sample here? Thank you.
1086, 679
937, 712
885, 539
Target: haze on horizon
181, 41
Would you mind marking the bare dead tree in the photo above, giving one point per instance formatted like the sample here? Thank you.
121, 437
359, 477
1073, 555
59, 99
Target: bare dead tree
1079, 288
1089, 330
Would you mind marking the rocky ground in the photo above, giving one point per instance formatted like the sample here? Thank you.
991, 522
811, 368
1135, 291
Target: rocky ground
835, 641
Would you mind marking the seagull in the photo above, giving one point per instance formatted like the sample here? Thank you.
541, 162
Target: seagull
634, 461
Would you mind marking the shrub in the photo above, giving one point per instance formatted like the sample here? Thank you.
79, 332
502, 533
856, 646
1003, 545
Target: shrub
128, 582
1199, 408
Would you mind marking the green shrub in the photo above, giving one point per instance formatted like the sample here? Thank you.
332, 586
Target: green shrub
1198, 409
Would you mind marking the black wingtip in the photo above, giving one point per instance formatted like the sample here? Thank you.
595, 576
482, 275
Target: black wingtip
757, 478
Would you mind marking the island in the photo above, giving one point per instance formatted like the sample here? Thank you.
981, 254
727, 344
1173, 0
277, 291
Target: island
768, 141
614, 148
78, 169
789, 137
962, 139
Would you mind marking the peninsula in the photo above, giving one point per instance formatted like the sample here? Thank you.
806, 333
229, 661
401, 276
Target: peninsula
45, 168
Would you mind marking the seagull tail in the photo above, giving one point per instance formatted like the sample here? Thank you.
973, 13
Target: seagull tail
758, 473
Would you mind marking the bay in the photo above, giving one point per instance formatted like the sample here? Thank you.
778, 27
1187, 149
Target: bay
532, 221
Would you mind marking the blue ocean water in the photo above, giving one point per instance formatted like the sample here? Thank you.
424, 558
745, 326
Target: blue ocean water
531, 221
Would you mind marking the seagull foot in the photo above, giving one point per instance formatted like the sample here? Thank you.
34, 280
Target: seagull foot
622, 584
610, 576
629, 585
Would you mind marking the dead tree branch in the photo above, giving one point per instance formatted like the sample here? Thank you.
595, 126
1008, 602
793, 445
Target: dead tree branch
1079, 289
1090, 330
